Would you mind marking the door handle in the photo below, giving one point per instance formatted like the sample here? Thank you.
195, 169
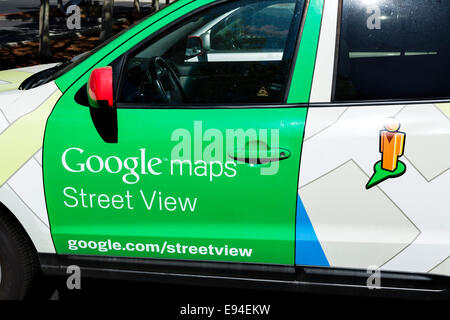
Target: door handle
259, 157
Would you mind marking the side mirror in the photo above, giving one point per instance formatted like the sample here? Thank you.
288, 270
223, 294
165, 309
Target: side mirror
194, 47
100, 88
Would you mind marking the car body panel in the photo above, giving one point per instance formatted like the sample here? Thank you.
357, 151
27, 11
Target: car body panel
401, 224
300, 89
23, 120
12, 79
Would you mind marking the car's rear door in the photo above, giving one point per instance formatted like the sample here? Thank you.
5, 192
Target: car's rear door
374, 173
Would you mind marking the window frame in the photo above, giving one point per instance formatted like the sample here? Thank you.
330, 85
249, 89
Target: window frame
295, 33
356, 103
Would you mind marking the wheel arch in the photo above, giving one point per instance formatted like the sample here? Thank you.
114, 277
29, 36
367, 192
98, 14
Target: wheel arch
35, 230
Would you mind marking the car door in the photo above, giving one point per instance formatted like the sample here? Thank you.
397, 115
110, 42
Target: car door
374, 170
162, 176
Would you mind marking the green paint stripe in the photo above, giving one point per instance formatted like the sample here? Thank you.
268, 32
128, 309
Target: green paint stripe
304, 68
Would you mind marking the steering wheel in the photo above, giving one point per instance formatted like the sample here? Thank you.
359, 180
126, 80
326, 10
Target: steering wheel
166, 82
137, 85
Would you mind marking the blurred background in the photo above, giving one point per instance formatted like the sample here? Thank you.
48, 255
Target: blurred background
36, 32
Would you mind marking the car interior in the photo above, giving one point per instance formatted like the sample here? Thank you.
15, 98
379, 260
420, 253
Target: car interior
244, 62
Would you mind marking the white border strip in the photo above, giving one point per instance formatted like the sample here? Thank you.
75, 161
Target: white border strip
324, 68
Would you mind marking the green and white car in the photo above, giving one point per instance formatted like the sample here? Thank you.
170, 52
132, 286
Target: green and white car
287, 144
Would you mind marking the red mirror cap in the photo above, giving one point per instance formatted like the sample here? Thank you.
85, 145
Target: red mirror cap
100, 88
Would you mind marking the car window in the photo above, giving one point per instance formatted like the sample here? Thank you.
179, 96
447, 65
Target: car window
251, 28
228, 54
394, 50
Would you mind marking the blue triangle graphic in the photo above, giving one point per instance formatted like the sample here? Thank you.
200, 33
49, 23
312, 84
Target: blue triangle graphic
308, 251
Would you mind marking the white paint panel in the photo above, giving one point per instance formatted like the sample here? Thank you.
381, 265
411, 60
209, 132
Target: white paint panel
9, 97
28, 184
443, 268
23, 193
38, 157
322, 118
38, 232
23, 102
366, 233
3, 123
38, 68
323, 71
427, 204
355, 136
428, 145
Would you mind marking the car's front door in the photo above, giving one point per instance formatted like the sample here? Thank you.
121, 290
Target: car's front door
212, 181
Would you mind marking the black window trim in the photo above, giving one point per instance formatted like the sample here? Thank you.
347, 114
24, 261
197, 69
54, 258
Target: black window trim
336, 49
222, 106
296, 26
381, 103
296, 49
